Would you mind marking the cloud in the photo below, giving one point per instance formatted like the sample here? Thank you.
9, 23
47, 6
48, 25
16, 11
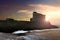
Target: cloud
26, 11
44, 8
25, 14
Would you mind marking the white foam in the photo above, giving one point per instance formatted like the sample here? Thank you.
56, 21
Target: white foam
19, 31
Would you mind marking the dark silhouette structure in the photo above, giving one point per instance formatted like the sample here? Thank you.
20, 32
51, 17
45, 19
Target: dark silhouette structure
36, 22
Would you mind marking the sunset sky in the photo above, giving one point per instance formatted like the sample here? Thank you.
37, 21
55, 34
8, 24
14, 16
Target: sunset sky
23, 9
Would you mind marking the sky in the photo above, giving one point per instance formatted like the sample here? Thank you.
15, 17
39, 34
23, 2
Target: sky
23, 9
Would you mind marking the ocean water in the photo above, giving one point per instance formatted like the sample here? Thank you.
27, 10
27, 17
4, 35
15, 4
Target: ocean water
46, 34
31, 37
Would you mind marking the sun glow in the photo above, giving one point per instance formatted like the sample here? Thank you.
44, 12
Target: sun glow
52, 12
47, 18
